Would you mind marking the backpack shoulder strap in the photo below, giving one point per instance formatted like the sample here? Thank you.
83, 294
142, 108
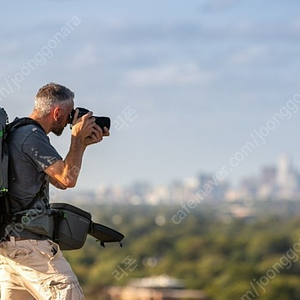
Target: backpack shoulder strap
22, 122
17, 123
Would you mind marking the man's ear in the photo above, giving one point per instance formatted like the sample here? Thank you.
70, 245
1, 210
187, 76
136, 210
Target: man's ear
56, 113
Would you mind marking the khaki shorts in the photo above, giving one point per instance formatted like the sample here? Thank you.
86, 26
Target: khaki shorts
36, 269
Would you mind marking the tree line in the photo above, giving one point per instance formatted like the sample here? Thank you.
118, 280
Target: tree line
227, 257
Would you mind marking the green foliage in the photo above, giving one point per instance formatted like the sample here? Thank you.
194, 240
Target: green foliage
226, 257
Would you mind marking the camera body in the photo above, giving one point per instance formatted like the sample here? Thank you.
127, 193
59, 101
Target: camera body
100, 121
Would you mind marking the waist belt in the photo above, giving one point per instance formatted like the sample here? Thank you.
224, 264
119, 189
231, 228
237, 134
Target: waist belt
15, 238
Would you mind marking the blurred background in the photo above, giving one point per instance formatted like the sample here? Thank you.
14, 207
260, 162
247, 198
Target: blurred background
201, 171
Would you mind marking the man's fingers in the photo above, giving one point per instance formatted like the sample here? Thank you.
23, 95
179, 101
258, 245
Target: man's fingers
106, 132
75, 116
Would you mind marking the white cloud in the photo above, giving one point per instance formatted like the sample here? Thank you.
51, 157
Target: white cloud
169, 75
249, 55
11, 46
84, 57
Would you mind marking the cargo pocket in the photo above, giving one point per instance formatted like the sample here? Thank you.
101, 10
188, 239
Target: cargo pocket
19, 254
55, 250
47, 249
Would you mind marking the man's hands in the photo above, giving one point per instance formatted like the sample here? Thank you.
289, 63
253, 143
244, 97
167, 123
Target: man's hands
86, 130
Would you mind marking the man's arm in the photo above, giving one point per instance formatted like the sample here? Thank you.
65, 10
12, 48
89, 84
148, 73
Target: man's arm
85, 132
57, 184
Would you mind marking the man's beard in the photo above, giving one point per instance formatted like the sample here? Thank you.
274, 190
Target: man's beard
58, 132
58, 128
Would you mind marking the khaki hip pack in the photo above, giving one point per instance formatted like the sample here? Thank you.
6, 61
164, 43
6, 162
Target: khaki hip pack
72, 225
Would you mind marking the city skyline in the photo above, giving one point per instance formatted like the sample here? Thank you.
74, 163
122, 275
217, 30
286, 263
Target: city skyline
277, 181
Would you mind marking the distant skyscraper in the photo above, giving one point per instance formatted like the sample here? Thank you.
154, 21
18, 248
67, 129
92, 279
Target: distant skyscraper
287, 178
268, 175
284, 169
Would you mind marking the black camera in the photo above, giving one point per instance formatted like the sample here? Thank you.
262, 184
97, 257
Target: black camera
100, 121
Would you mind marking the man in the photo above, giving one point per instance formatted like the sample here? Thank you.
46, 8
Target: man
31, 264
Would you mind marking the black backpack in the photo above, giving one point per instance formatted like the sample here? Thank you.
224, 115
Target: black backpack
4, 207
5, 128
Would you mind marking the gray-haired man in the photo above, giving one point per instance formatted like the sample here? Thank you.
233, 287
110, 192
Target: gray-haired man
31, 264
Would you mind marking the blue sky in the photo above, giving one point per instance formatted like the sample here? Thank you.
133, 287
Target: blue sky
192, 81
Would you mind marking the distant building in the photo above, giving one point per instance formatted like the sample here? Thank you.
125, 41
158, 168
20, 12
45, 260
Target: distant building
154, 288
267, 185
284, 171
268, 175
287, 179
211, 187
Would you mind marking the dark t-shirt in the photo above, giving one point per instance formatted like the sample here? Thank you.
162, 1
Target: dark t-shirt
30, 154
